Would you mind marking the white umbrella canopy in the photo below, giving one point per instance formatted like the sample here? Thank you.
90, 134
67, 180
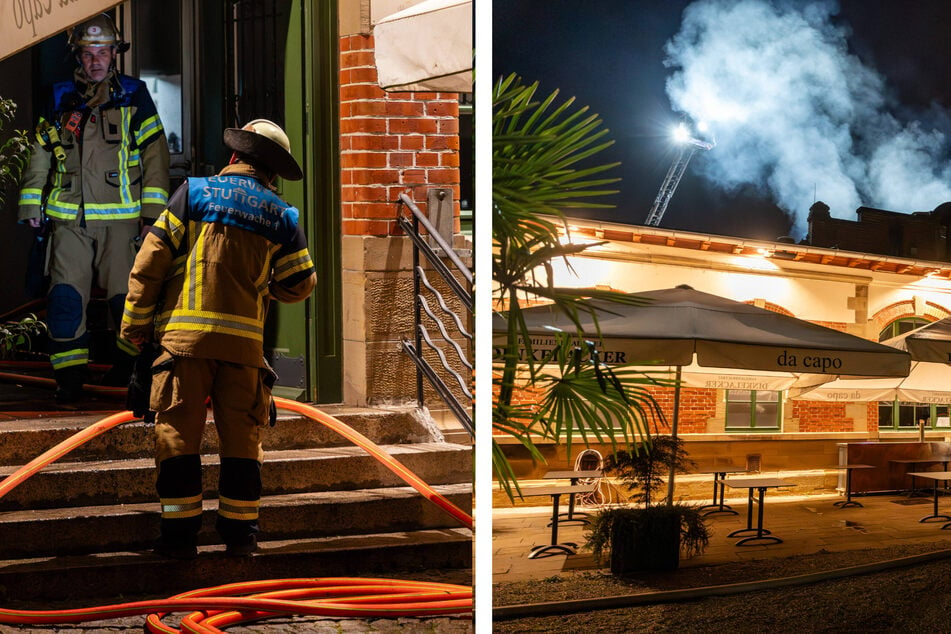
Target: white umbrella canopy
695, 375
682, 326
926, 383
426, 47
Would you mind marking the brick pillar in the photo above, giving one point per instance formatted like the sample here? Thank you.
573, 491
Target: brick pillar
390, 143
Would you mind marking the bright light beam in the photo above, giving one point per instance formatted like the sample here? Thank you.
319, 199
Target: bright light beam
681, 133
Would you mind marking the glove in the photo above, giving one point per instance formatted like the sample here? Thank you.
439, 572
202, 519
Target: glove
140, 383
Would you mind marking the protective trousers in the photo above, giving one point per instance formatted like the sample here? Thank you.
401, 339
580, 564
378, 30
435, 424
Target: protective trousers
240, 404
80, 256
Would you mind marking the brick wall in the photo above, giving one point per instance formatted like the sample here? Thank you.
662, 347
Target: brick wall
390, 143
872, 417
697, 406
821, 417
920, 235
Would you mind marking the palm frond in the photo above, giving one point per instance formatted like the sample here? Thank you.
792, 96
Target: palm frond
542, 147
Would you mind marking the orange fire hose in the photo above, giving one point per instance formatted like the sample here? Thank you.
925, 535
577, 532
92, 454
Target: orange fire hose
222, 605
371, 448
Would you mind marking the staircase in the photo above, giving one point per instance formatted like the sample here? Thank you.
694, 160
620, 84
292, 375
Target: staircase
82, 528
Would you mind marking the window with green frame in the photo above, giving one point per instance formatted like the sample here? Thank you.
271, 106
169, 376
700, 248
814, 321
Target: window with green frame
904, 414
748, 410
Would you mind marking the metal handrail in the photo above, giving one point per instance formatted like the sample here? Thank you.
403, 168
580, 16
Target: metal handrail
434, 234
420, 306
420, 245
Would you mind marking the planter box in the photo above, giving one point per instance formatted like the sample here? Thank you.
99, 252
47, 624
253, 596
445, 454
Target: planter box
646, 540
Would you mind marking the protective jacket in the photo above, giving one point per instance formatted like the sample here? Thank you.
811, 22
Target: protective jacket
116, 155
224, 246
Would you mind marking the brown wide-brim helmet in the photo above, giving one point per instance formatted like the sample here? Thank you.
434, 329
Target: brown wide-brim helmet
265, 145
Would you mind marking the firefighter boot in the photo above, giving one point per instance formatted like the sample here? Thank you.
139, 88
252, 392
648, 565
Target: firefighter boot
69, 384
179, 488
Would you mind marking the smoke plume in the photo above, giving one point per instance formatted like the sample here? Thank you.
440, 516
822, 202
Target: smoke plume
796, 115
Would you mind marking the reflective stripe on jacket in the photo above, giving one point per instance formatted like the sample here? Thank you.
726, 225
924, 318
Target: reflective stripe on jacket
119, 171
224, 246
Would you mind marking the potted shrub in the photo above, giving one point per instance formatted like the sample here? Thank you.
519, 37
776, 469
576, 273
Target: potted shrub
650, 536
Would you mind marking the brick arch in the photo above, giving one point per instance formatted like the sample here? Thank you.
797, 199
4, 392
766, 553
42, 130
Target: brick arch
906, 308
776, 308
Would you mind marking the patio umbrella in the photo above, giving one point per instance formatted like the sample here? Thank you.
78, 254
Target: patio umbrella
677, 326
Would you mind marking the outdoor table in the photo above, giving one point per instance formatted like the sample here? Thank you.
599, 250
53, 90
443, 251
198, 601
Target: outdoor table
914, 462
936, 476
573, 477
848, 501
568, 548
719, 475
760, 484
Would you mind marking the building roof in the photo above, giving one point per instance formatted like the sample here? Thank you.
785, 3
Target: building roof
621, 234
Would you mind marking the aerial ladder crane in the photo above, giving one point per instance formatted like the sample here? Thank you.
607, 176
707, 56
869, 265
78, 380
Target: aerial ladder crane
688, 147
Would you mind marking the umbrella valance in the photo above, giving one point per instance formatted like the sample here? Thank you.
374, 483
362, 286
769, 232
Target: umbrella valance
676, 324
710, 378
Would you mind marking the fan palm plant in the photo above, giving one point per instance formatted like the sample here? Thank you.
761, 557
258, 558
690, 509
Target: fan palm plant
541, 169
14, 152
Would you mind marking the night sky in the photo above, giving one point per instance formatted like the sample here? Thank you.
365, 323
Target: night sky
846, 102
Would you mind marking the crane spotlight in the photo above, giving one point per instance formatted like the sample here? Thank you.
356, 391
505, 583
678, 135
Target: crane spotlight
681, 133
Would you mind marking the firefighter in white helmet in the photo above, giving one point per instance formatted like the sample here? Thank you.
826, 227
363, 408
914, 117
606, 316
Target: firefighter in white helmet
98, 172
200, 289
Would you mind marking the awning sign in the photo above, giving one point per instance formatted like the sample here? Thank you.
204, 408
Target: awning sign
24, 23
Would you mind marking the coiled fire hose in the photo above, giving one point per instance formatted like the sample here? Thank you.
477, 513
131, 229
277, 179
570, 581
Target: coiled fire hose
230, 604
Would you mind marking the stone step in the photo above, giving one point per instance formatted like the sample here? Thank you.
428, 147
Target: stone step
115, 577
22, 439
122, 527
132, 481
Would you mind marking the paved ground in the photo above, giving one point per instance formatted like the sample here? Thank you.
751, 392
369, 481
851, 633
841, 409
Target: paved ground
807, 524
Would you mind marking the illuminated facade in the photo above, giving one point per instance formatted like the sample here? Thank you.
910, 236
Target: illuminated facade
871, 296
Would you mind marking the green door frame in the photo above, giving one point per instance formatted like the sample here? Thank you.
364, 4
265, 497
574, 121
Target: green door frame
311, 108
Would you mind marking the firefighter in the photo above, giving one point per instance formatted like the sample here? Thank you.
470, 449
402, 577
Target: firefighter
98, 174
200, 289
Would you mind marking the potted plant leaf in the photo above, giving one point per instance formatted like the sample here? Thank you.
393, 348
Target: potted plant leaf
650, 536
